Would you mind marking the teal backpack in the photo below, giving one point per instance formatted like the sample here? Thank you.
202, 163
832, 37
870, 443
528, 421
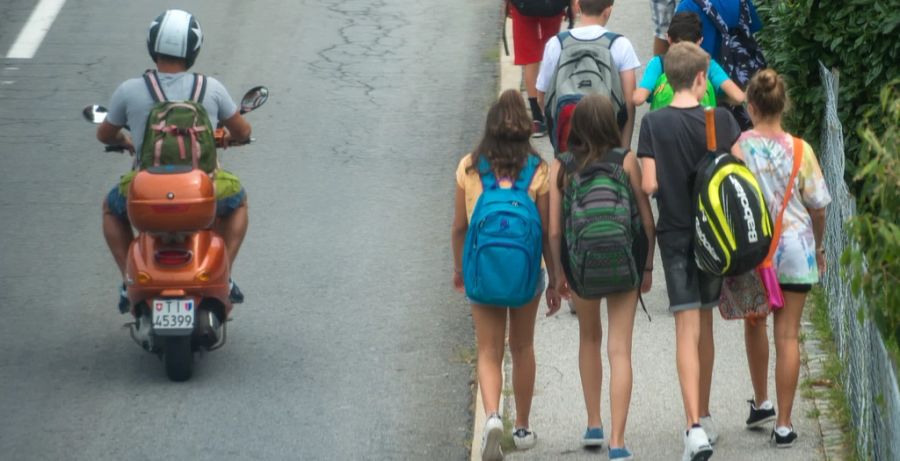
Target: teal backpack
502, 253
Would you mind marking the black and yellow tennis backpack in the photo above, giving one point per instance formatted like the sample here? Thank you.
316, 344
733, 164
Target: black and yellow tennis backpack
732, 226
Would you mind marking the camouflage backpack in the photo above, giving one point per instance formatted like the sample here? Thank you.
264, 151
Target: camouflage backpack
178, 132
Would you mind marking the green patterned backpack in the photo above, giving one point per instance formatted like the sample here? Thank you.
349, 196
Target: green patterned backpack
602, 228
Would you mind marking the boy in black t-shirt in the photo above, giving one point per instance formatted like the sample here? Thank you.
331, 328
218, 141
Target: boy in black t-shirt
673, 141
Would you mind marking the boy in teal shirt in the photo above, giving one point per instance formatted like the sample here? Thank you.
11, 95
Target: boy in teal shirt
654, 84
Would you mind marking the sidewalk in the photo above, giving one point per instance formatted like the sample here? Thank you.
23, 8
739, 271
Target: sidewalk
656, 418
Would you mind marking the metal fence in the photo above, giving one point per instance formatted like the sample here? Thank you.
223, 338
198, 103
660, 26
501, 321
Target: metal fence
870, 380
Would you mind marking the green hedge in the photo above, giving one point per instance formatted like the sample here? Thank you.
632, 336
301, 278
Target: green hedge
877, 225
858, 37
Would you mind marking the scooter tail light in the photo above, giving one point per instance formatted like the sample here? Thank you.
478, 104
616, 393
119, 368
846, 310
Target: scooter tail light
173, 257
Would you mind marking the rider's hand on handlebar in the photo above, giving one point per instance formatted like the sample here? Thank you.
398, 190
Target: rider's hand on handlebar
126, 142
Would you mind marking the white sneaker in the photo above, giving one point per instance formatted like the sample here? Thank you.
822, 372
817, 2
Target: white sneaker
710, 428
524, 438
490, 439
696, 445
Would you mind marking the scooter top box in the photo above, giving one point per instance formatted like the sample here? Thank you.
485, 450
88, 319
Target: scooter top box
171, 199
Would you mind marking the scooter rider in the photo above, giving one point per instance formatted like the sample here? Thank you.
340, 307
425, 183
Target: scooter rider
174, 40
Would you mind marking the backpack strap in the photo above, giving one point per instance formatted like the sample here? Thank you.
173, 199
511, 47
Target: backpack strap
562, 37
616, 156
489, 179
198, 91
151, 79
526, 176
609, 38
710, 11
798, 158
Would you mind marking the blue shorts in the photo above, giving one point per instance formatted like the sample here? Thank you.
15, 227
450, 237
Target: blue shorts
116, 202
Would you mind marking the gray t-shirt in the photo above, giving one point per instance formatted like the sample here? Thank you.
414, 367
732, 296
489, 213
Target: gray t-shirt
131, 102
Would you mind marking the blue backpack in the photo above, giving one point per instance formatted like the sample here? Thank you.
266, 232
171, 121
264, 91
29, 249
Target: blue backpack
502, 257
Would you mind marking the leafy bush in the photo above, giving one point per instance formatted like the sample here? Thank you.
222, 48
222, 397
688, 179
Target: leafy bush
875, 266
858, 37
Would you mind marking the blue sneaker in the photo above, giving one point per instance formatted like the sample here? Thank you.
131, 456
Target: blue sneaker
620, 454
593, 437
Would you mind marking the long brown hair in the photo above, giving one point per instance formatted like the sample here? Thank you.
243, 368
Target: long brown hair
506, 141
594, 132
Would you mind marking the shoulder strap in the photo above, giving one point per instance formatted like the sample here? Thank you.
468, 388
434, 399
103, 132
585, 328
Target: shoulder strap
611, 37
527, 174
616, 156
798, 158
562, 37
198, 91
489, 179
710, 11
151, 79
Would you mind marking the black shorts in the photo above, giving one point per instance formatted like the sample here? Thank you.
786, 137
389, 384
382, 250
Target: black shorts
796, 287
687, 286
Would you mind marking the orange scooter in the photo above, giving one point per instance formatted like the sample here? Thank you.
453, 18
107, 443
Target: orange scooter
177, 272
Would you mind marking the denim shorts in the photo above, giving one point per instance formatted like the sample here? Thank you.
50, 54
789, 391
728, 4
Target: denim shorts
116, 202
687, 286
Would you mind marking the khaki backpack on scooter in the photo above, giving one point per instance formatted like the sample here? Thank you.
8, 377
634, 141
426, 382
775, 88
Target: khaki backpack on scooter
178, 132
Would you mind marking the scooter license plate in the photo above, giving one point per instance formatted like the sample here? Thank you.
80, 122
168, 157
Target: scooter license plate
172, 315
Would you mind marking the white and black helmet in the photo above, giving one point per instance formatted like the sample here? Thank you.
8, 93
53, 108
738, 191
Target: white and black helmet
175, 33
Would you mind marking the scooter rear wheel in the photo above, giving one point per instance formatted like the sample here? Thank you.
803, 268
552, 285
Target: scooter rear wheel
178, 357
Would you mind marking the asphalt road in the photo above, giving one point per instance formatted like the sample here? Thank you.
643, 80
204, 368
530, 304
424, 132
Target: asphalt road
350, 344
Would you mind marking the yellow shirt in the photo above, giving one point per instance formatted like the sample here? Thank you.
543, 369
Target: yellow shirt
471, 183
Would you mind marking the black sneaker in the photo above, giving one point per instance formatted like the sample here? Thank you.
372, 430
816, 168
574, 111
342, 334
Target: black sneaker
236, 296
124, 304
759, 416
784, 441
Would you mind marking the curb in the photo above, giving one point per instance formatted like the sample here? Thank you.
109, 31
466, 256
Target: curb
510, 77
813, 359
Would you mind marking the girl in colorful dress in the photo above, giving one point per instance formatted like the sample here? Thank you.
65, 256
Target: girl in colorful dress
800, 257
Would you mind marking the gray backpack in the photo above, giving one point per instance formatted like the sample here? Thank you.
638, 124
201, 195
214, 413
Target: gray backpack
585, 67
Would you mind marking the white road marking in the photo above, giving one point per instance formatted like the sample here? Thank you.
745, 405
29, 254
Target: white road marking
35, 29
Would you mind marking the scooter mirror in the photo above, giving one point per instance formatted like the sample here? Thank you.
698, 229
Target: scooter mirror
94, 114
254, 98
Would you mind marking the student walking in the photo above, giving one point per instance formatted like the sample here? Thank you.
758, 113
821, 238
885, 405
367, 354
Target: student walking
533, 23
654, 86
771, 154
600, 232
504, 162
672, 142
589, 40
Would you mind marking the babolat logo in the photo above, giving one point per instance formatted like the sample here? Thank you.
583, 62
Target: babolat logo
748, 213
703, 240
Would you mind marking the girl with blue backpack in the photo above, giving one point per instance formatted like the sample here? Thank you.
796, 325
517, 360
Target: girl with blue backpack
601, 235
499, 236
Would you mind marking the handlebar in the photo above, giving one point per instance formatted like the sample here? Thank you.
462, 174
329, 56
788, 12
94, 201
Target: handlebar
219, 137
